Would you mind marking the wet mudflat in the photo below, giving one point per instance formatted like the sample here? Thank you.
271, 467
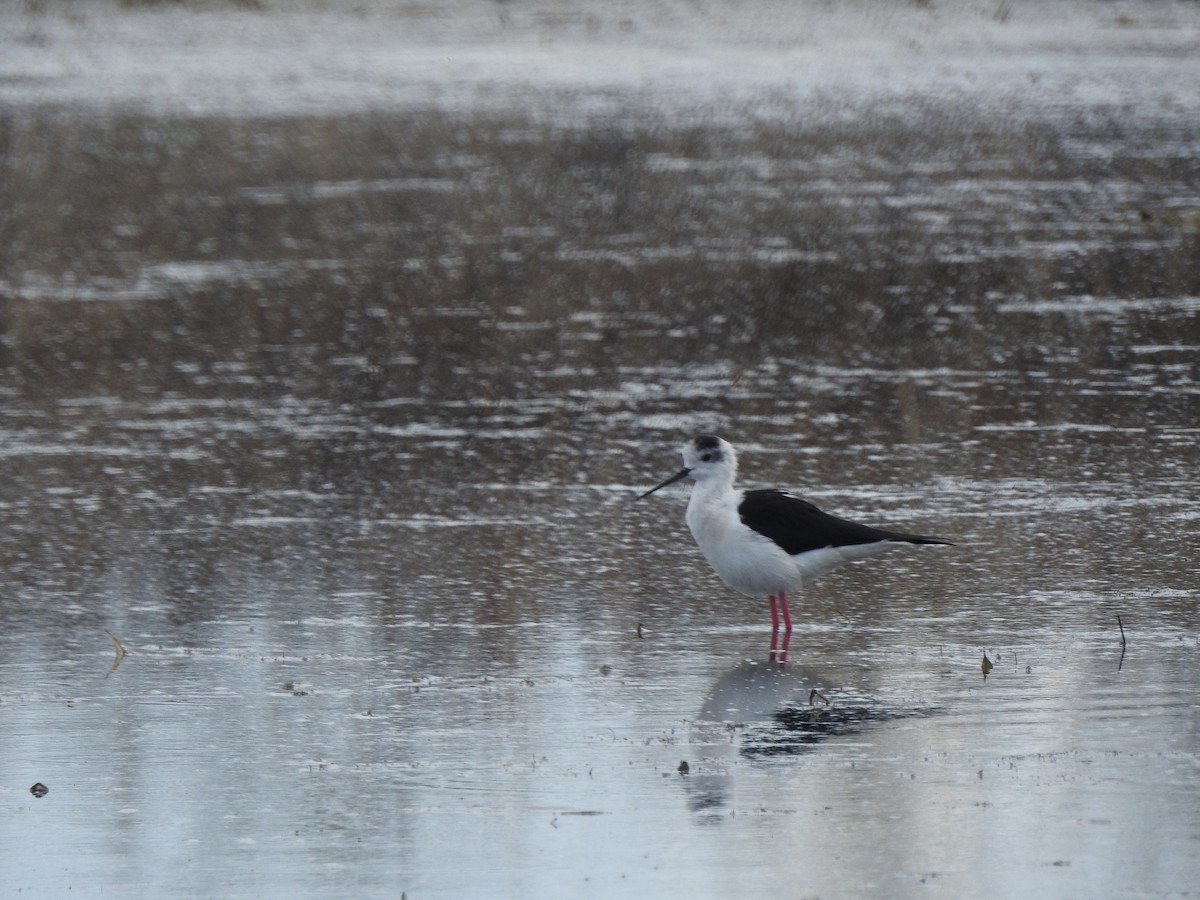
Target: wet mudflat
335, 420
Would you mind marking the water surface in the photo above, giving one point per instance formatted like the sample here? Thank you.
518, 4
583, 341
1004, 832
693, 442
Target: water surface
336, 422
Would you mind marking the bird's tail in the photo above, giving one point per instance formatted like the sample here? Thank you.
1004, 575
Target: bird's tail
917, 538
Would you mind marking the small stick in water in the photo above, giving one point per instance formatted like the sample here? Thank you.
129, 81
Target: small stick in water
1122, 627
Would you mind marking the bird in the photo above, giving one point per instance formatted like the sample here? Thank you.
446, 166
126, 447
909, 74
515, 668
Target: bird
768, 542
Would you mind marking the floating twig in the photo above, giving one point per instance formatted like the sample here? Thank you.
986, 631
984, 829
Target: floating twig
1122, 627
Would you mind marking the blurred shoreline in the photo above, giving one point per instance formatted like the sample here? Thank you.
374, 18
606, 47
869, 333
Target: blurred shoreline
733, 61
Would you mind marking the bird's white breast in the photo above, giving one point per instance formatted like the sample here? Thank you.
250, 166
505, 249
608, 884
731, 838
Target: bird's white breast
745, 560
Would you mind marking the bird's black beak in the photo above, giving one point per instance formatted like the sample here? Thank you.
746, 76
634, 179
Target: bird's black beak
682, 473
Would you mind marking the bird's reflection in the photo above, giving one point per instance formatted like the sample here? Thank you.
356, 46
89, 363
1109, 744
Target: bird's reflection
746, 698
754, 691
761, 709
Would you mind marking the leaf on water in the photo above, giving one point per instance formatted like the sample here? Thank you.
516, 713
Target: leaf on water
986, 666
120, 648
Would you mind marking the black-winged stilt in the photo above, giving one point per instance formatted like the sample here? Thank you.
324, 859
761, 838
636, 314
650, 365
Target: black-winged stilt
767, 541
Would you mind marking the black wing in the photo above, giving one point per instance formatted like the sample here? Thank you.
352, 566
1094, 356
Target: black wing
796, 525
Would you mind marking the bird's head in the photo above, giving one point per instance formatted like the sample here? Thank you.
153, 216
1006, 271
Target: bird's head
706, 457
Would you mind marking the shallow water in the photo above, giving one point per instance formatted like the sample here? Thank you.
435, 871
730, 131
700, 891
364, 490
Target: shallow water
336, 422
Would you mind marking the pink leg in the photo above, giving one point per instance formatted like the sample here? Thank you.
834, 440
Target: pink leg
774, 630
774, 615
787, 628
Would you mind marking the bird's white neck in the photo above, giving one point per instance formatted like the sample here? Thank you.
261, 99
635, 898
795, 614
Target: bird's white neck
712, 510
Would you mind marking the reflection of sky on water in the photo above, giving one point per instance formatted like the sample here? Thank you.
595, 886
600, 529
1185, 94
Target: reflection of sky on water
278, 754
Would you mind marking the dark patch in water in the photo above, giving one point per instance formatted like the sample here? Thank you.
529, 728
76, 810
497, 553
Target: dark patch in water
799, 729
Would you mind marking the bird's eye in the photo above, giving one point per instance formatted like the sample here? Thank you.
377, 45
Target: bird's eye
706, 457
